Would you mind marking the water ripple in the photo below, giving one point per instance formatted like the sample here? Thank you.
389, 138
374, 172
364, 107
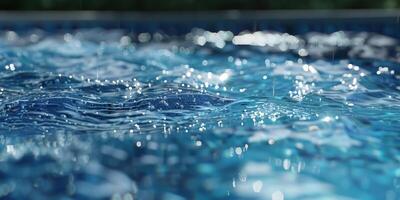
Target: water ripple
210, 115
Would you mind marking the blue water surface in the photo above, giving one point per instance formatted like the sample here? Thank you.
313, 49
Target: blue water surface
108, 114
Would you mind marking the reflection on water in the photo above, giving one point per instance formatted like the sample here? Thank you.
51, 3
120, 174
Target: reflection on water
209, 115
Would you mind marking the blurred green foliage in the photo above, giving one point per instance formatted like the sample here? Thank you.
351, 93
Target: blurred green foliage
146, 5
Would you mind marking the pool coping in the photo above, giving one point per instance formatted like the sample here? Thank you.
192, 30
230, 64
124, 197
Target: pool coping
184, 16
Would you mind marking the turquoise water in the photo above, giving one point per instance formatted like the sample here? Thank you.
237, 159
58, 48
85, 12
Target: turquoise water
100, 114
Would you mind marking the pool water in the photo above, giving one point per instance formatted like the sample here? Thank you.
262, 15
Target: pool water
109, 114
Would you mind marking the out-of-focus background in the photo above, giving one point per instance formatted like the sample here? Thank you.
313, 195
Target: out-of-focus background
174, 5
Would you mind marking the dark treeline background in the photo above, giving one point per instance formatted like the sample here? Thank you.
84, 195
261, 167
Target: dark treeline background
174, 5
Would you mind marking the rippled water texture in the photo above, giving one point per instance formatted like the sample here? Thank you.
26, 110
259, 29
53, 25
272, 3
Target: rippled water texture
261, 115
